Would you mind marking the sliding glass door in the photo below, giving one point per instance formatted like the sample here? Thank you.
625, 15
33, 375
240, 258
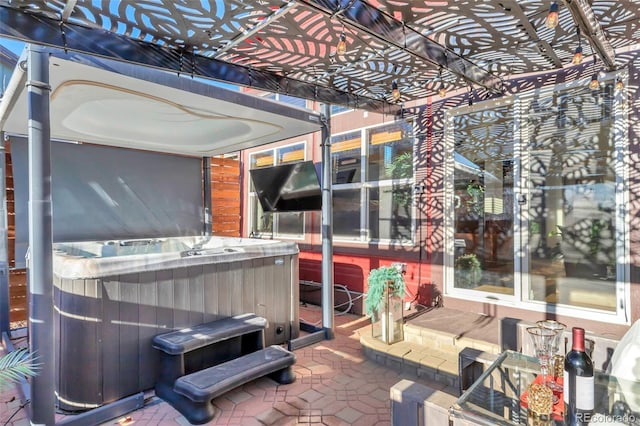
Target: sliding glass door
536, 196
483, 207
571, 210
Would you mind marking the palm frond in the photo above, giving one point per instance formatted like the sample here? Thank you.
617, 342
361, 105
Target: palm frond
17, 365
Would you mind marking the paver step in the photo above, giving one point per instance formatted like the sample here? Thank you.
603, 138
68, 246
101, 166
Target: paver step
412, 358
445, 341
425, 352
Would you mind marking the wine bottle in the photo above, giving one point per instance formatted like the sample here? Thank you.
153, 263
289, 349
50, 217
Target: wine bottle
578, 382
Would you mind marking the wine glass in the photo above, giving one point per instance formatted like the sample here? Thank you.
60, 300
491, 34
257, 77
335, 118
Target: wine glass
558, 327
543, 339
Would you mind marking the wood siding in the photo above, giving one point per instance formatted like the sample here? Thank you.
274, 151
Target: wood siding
225, 197
18, 302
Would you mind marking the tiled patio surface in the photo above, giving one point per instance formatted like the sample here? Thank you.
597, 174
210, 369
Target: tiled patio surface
335, 385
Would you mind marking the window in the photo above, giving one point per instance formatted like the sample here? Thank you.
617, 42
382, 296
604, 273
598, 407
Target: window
285, 224
338, 109
373, 202
291, 100
560, 153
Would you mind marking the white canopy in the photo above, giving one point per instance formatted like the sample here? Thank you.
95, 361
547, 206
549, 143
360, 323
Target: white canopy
112, 103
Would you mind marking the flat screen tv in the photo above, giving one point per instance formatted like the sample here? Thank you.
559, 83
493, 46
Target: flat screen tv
288, 187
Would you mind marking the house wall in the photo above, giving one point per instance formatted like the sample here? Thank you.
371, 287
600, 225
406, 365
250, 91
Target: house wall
425, 259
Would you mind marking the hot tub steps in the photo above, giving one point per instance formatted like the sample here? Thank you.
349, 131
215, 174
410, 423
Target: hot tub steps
200, 363
201, 387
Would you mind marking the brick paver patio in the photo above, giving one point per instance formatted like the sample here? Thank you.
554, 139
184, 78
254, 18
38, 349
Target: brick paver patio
335, 385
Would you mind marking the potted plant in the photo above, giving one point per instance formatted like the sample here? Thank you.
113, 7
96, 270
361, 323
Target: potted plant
383, 281
385, 291
468, 271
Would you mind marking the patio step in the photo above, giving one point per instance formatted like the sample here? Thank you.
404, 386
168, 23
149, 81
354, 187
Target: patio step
426, 352
445, 341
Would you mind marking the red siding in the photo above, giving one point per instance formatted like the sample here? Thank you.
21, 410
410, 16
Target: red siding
352, 271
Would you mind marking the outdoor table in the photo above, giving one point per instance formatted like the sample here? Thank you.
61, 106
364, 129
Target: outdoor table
495, 397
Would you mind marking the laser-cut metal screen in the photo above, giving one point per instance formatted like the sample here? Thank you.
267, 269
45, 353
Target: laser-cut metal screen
290, 46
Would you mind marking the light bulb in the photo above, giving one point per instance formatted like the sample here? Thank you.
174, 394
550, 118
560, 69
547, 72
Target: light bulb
552, 17
619, 84
577, 56
342, 45
442, 91
594, 84
395, 92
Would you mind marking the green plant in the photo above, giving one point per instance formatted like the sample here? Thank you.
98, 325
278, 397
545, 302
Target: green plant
401, 166
382, 281
16, 365
534, 228
468, 270
476, 200
595, 236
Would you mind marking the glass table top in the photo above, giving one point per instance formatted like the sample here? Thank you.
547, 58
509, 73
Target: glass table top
495, 398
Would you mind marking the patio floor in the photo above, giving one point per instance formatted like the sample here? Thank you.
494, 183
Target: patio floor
335, 385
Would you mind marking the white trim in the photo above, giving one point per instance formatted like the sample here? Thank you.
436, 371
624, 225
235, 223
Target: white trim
564, 310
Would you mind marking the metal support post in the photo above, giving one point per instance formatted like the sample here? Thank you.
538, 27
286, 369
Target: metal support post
327, 226
41, 330
206, 174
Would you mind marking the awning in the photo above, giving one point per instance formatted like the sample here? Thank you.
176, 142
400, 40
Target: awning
113, 103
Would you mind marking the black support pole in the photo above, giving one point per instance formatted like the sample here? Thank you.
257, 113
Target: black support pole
40, 265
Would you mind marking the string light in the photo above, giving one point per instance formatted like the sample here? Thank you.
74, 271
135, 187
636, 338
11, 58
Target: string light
577, 56
552, 17
341, 49
442, 91
395, 92
594, 84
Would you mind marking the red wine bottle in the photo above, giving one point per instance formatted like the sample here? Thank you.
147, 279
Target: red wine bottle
578, 382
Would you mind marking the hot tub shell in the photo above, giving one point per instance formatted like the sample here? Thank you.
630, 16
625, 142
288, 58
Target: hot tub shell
112, 297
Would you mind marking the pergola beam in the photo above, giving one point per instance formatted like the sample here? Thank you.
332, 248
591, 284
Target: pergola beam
68, 10
386, 29
543, 45
255, 29
585, 18
46, 31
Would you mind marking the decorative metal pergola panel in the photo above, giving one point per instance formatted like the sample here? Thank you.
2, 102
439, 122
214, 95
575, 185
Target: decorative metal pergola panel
291, 46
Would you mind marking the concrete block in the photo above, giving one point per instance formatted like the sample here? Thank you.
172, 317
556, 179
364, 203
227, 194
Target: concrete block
416, 404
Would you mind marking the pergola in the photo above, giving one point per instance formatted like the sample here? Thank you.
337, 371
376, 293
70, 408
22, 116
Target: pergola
376, 55
291, 46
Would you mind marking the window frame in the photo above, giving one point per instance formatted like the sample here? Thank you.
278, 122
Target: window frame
520, 299
365, 187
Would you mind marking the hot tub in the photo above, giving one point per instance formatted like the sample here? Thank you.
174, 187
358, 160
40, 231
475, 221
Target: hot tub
112, 297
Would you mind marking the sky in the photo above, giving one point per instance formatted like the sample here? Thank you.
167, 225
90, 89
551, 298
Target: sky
13, 45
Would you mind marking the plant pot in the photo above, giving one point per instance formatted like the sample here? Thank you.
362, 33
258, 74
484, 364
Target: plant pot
388, 321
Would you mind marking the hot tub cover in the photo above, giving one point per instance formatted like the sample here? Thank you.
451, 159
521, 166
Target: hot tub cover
113, 103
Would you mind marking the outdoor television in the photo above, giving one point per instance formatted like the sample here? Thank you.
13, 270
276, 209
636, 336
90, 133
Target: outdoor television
288, 187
